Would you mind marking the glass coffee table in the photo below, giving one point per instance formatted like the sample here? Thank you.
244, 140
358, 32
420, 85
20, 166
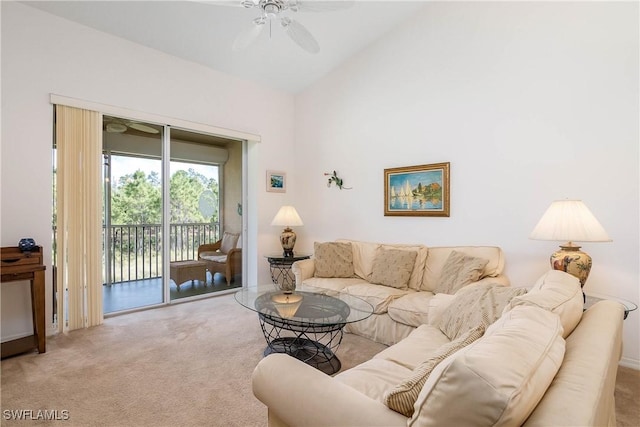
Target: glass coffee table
305, 324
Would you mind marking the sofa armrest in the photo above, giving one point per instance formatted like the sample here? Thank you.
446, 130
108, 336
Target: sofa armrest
303, 270
582, 392
300, 395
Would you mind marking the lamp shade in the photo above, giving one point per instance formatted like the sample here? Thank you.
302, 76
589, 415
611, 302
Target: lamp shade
287, 216
569, 220
287, 304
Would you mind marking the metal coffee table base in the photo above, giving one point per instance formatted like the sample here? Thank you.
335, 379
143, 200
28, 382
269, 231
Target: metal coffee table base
311, 343
310, 352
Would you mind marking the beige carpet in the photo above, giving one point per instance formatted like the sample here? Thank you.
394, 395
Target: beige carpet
184, 365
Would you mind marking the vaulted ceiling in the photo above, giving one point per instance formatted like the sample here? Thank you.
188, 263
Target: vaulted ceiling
204, 32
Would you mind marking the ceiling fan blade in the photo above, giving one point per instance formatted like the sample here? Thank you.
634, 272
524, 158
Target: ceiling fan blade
143, 128
300, 35
247, 37
115, 127
232, 3
321, 6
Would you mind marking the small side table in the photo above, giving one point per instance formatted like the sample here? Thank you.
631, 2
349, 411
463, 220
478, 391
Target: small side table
281, 274
591, 299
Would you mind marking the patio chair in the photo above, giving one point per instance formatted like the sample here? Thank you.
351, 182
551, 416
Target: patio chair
223, 256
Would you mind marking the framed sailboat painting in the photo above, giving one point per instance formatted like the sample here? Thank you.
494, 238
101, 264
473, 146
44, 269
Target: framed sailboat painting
417, 190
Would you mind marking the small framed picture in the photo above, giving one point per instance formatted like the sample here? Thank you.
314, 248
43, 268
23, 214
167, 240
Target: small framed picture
276, 181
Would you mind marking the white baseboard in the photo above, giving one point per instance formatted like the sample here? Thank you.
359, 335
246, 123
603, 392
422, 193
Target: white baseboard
630, 363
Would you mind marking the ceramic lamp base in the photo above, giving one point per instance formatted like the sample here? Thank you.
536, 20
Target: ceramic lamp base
288, 241
572, 260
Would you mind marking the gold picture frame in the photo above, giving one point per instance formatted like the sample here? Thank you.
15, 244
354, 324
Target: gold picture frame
421, 190
276, 181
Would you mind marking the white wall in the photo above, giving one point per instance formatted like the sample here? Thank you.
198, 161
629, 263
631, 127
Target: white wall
43, 54
530, 102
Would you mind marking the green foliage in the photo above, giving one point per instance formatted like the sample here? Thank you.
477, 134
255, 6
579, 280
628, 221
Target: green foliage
137, 199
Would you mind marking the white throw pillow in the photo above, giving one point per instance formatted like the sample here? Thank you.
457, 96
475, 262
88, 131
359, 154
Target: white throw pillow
229, 241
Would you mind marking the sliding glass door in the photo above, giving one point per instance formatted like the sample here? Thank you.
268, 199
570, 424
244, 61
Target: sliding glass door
160, 208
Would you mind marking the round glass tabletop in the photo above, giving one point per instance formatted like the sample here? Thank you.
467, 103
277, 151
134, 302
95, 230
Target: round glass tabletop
592, 298
308, 306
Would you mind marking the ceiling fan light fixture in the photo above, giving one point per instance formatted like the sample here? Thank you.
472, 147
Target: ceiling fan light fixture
271, 10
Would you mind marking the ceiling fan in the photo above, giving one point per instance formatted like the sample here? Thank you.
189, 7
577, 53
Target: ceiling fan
117, 125
271, 10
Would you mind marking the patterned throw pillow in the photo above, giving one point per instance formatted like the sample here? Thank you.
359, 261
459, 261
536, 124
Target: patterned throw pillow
333, 259
476, 305
459, 270
403, 396
392, 267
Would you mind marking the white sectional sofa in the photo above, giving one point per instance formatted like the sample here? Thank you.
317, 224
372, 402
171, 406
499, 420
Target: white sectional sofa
397, 310
543, 362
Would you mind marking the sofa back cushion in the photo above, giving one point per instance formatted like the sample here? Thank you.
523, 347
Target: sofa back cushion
364, 254
438, 257
499, 379
392, 267
558, 292
333, 259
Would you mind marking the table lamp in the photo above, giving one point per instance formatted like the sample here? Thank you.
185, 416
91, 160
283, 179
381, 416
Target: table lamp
570, 221
287, 217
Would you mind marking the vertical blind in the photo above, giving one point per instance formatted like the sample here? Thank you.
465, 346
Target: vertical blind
79, 218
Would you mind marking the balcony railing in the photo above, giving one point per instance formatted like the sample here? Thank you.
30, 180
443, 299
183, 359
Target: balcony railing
134, 252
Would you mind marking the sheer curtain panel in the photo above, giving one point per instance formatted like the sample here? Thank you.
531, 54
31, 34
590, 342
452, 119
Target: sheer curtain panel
79, 218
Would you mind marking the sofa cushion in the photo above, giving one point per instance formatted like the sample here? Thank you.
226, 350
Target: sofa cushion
374, 377
418, 268
499, 379
417, 347
378, 296
438, 257
558, 292
458, 271
418, 308
214, 256
333, 259
476, 305
392, 267
331, 286
403, 396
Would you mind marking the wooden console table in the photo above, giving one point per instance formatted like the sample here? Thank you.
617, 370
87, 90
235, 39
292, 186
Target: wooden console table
16, 265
